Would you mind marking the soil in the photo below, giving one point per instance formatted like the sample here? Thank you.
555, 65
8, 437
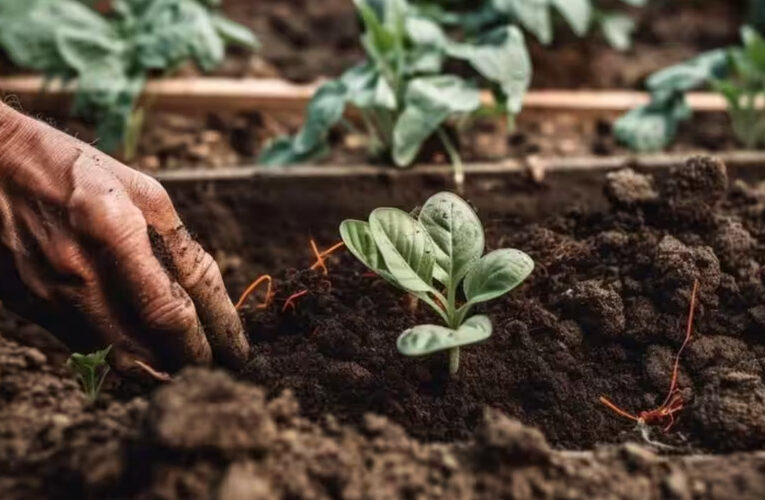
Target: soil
328, 408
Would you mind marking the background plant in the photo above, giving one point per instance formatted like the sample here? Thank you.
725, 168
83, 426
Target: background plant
402, 90
445, 244
90, 370
736, 72
111, 55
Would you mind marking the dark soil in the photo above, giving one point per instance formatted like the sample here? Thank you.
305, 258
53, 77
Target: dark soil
603, 314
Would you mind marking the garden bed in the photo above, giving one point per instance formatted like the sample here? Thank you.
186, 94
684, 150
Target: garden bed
602, 315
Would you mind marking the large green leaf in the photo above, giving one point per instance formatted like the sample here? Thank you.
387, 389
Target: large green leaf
429, 101
497, 273
427, 339
578, 13
83, 50
405, 247
324, 111
423, 31
457, 233
503, 59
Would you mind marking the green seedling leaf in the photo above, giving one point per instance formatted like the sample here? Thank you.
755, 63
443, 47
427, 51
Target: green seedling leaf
423, 31
406, 248
690, 74
651, 127
357, 236
427, 339
90, 370
280, 151
457, 233
496, 274
578, 14
84, 50
429, 102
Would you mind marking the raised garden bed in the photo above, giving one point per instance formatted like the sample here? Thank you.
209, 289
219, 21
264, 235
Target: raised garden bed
603, 314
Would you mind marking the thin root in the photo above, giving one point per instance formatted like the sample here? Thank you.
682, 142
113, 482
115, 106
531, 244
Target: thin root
253, 286
156, 375
290, 302
320, 256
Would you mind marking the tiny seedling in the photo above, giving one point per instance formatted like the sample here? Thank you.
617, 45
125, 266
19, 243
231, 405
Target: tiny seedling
441, 248
91, 370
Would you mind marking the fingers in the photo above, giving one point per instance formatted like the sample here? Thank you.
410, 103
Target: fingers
195, 269
163, 308
199, 275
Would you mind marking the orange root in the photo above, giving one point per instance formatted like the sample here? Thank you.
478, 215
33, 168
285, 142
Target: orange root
618, 410
290, 302
673, 403
253, 286
320, 256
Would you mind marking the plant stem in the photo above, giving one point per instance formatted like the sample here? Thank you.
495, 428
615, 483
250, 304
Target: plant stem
456, 160
454, 360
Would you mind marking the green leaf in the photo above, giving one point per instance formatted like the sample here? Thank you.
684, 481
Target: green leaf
690, 74
280, 151
457, 233
82, 50
422, 31
578, 13
405, 247
534, 15
324, 111
89, 361
429, 101
496, 274
234, 32
504, 60
357, 236
618, 30
651, 127
427, 339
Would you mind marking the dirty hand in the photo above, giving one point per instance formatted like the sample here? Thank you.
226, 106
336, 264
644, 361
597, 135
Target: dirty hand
95, 252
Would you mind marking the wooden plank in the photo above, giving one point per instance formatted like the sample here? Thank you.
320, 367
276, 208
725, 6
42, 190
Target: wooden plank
195, 95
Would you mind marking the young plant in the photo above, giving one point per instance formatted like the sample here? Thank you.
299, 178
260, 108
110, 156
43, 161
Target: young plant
403, 93
439, 250
112, 54
91, 370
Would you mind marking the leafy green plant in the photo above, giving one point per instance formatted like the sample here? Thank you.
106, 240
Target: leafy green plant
744, 89
402, 91
91, 370
441, 248
111, 55
735, 72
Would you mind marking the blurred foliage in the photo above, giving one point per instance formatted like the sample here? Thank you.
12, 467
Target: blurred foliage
110, 55
737, 73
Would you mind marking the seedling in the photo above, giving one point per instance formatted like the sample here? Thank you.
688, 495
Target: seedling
442, 247
673, 403
91, 370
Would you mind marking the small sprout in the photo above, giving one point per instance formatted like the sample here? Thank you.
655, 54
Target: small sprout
444, 243
91, 370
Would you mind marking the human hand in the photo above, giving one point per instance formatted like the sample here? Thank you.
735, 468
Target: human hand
95, 252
